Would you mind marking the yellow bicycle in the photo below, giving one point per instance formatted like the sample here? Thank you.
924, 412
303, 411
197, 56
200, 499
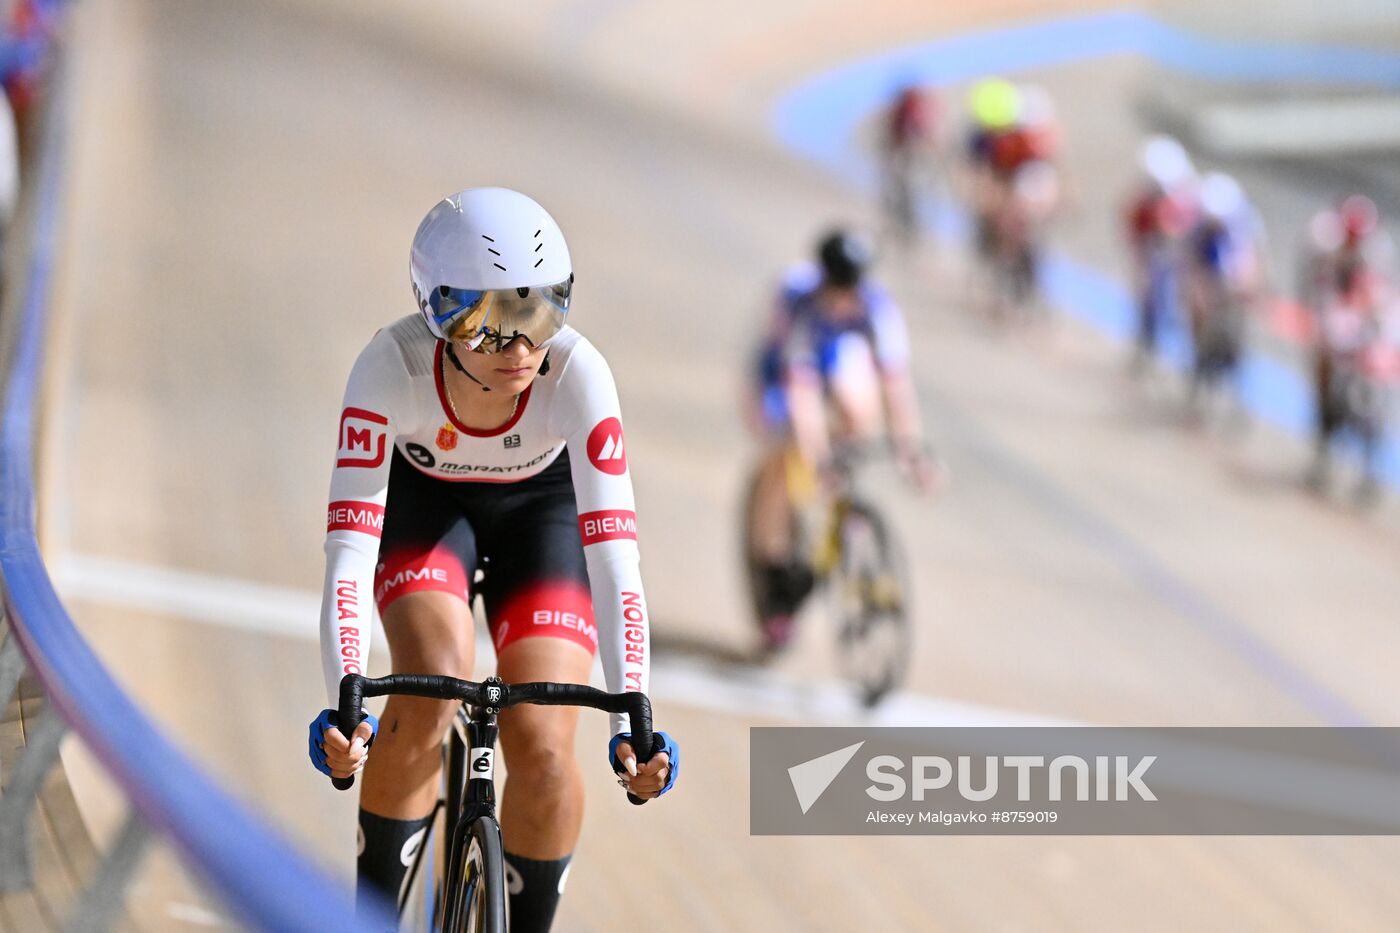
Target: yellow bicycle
853, 555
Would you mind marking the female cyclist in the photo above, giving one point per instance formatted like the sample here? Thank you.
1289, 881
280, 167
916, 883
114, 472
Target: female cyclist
481, 451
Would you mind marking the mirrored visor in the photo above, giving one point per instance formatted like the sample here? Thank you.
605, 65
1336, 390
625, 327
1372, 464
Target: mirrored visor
488, 320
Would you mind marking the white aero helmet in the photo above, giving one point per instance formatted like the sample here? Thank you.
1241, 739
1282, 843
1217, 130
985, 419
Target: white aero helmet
489, 265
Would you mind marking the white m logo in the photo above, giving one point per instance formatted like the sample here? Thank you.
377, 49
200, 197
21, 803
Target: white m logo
612, 449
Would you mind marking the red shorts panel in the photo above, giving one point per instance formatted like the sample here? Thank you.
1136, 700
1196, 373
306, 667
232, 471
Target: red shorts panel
413, 570
562, 609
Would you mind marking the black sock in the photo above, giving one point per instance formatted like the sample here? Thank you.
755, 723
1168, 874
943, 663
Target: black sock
534, 887
387, 849
785, 586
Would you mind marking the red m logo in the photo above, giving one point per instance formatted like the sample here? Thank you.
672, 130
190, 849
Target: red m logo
356, 439
362, 430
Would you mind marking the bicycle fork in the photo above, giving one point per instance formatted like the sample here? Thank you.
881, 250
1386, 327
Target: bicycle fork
471, 785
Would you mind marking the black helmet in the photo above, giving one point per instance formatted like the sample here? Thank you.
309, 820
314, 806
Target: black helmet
844, 256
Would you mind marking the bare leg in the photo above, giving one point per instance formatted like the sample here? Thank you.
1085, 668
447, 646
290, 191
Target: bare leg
428, 633
770, 515
542, 804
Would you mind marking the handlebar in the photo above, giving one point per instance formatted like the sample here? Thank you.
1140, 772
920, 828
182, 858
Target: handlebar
354, 688
847, 457
850, 454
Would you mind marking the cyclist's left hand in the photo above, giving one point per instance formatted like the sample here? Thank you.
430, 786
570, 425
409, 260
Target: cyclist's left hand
645, 779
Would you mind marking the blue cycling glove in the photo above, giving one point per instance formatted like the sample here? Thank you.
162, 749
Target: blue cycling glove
664, 744
316, 740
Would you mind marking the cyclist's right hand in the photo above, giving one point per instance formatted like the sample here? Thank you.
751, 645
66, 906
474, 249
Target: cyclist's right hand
334, 755
923, 471
648, 779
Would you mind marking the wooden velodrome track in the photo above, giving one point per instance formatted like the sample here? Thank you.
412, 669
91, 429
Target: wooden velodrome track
246, 179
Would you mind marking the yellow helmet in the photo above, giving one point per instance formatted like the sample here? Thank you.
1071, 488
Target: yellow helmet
995, 103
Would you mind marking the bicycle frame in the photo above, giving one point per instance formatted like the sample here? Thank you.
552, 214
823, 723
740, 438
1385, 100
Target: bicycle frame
826, 545
470, 788
829, 545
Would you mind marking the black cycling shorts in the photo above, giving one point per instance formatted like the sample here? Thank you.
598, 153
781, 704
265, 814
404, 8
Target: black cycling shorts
523, 536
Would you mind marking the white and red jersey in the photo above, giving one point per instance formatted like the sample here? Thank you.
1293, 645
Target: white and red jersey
395, 398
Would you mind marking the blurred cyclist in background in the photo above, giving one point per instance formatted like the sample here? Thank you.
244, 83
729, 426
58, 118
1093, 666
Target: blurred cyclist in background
1161, 212
1346, 283
30, 27
1014, 183
1347, 254
994, 106
1223, 279
908, 144
834, 368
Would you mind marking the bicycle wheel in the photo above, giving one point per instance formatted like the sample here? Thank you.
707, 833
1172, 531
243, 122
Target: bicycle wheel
871, 592
476, 900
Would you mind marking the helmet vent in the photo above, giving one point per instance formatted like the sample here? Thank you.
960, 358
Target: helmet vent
493, 252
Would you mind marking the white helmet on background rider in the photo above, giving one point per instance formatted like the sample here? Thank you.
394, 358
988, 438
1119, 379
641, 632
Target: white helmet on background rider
1222, 198
488, 265
1165, 162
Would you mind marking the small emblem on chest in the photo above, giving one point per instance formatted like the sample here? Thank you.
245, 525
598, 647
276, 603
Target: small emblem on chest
512, 440
447, 437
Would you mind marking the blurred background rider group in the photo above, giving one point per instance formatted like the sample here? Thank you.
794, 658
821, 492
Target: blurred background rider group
1199, 257
1204, 298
